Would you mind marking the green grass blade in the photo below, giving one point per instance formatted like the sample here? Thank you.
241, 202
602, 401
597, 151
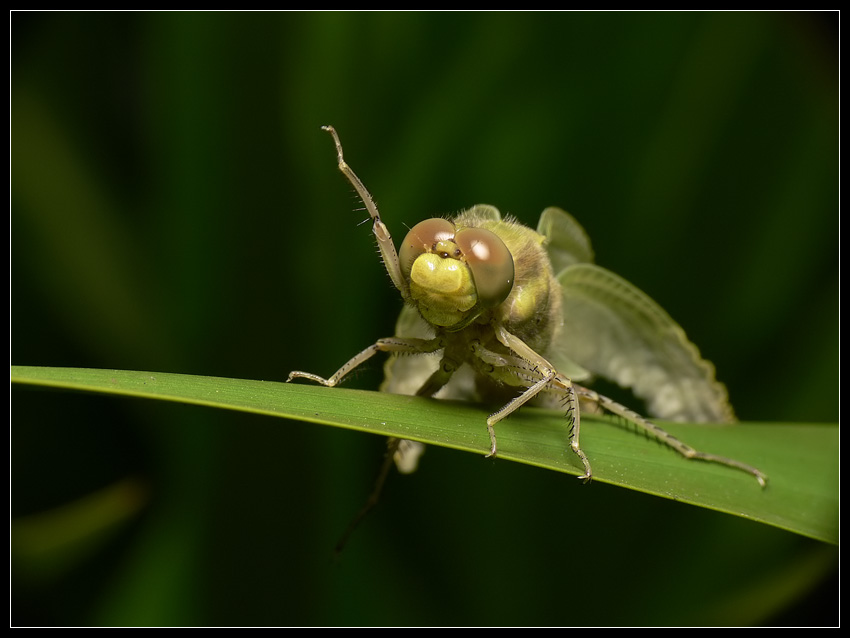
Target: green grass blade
801, 460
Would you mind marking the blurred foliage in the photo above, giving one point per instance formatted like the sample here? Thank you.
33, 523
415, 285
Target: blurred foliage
175, 207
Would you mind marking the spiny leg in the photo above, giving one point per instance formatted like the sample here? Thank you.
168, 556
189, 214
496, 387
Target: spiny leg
379, 229
512, 406
665, 437
391, 344
519, 371
573, 414
510, 370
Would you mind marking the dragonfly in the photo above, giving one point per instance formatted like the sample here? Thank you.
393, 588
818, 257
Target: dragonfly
515, 314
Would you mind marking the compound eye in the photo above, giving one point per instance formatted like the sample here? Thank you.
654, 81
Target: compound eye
421, 239
491, 264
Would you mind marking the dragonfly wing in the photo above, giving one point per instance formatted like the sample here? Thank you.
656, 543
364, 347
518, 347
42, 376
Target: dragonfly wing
566, 244
566, 241
619, 333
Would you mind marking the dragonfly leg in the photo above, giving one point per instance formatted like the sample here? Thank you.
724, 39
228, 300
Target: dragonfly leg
392, 344
665, 437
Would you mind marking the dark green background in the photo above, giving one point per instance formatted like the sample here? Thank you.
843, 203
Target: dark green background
175, 207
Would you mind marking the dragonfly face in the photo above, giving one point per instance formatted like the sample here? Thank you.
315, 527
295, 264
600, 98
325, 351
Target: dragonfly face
455, 272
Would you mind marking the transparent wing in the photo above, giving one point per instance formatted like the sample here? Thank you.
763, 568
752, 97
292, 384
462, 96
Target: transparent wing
566, 244
566, 241
617, 332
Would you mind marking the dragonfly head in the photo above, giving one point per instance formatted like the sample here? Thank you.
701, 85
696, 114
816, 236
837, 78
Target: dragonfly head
454, 273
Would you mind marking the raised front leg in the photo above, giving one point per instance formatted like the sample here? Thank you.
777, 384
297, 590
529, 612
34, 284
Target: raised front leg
382, 234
